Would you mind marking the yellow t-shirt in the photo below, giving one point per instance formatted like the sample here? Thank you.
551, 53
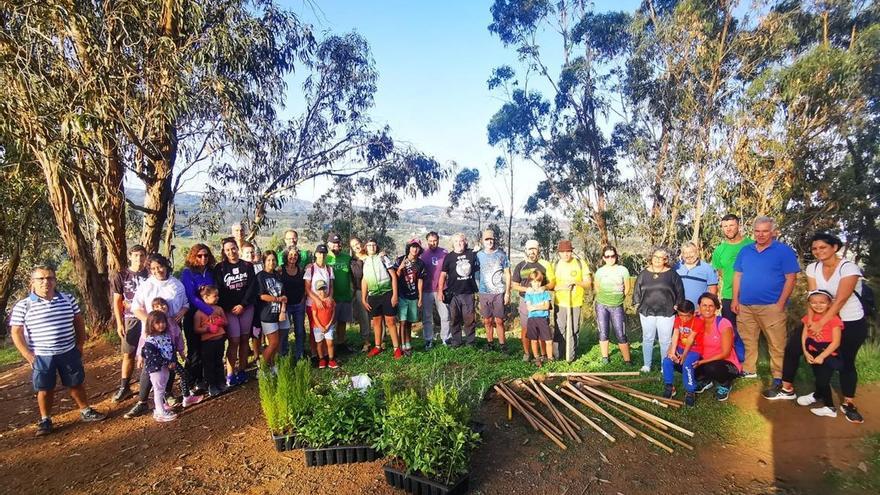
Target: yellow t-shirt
568, 273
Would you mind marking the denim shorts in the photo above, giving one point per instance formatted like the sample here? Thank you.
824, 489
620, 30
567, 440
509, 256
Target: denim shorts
68, 365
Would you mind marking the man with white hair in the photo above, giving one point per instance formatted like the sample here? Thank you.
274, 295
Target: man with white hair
764, 277
459, 285
697, 276
520, 283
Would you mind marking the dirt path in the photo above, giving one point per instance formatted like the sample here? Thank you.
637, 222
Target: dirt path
222, 446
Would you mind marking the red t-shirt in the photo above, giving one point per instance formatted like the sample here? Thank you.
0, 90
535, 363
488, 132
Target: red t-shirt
827, 333
690, 330
323, 316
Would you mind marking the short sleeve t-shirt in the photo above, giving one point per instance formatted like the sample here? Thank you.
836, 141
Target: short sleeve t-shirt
723, 258
690, 331
341, 264
434, 263
763, 273
126, 284
408, 278
294, 286
377, 276
697, 280
538, 298
48, 324
611, 285
568, 273
852, 310
270, 285
323, 316
492, 266
315, 273
522, 270
461, 272
827, 334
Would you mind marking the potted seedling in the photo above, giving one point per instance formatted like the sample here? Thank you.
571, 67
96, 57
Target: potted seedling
286, 397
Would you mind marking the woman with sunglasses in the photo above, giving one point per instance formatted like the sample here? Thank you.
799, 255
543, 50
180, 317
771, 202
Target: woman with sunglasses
197, 272
658, 292
611, 285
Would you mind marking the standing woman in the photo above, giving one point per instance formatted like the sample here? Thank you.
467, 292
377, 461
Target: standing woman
719, 364
612, 285
843, 280
657, 293
318, 270
236, 281
272, 307
197, 273
291, 276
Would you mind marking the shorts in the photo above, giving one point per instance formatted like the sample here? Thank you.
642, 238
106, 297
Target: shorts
240, 325
408, 310
272, 327
381, 305
538, 329
343, 312
68, 365
320, 336
129, 344
492, 305
257, 329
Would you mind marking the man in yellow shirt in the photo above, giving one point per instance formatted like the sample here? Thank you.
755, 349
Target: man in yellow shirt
572, 278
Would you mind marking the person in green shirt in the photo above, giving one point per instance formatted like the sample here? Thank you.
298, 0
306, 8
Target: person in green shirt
342, 289
611, 284
379, 297
723, 258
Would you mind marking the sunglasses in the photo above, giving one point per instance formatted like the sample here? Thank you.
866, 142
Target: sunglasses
201, 256
609, 256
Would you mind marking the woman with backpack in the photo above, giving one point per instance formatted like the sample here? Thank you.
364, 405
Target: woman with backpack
843, 280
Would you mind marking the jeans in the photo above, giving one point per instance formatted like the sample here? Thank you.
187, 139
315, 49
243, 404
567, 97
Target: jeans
616, 316
429, 301
687, 370
652, 328
296, 314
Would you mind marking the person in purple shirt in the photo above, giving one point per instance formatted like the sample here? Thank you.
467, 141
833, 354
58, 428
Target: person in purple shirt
198, 272
433, 259
763, 278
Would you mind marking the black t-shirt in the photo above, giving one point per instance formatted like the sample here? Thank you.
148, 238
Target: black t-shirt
460, 269
656, 294
126, 284
357, 272
522, 270
294, 286
408, 279
269, 284
237, 284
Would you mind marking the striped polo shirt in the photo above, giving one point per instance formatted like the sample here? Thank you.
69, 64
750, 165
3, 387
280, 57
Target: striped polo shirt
48, 324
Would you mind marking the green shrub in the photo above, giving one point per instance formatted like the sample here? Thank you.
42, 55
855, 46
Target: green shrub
431, 436
343, 417
288, 397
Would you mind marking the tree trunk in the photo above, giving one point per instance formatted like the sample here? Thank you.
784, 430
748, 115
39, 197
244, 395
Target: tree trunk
7, 278
158, 196
93, 285
657, 186
169, 231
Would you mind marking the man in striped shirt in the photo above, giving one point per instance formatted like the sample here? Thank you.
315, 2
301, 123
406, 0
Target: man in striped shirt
49, 332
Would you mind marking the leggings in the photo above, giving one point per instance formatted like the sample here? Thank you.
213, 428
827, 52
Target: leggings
852, 337
193, 362
240, 326
614, 315
721, 372
686, 370
160, 379
147, 385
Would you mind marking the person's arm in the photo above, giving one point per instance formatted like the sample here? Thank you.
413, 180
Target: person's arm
804, 334
420, 284
734, 303
712, 282
200, 322
393, 287
786, 290
192, 292
545, 304
835, 343
507, 285
441, 284
118, 309
678, 289
845, 290
364, 293
79, 327
687, 348
673, 344
551, 278
637, 291
20, 344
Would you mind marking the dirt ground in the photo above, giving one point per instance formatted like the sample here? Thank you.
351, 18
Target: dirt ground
222, 446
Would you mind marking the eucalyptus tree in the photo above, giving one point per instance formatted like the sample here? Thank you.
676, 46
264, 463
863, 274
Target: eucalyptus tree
465, 196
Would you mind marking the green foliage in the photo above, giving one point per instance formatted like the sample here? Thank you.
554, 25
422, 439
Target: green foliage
431, 435
288, 397
344, 416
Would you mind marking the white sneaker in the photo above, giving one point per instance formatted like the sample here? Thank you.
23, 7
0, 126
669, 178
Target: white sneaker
749, 375
166, 416
806, 400
824, 411
191, 400
644, 369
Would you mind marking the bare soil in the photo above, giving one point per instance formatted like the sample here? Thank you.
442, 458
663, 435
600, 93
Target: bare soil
222, 446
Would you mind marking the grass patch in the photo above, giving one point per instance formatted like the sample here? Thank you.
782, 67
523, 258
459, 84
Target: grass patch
859, 480
9, 355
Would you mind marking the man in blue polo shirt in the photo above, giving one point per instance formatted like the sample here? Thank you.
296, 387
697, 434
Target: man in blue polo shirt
697, 276
49, 332
764, 276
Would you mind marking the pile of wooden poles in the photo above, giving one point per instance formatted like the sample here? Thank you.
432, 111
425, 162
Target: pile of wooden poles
592, 391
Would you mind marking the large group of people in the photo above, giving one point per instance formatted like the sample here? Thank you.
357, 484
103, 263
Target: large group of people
223, 316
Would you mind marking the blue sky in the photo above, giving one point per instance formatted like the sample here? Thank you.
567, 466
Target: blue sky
433, 60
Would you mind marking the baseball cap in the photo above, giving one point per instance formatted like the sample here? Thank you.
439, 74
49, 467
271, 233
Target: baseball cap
334, 238
564, 245
320, 285
531, 243
488, 234
322, 248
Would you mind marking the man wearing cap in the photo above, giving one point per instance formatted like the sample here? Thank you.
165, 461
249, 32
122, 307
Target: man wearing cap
459, 281
432, 296
319, 270
342, 288
291, 239
494, 285
520, 282
410, 282
572, 277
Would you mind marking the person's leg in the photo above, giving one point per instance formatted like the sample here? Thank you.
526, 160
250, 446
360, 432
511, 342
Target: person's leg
853, 336
560, 316
313, 344
389, 324
298, 321
169, 384
456, 318
649, 335
377, 331
159, 379
523, 325
45, 398
145, 387
665, 326
329, 346
212, 354
499, 330
618, 321
283, 337
428, 316
273, 343
535, 351
773, 324
823, 393
469, 318
603, 318
443, 313
486, 316
667, 367
193, 363
687, 371
234, 330
247, 322
791, 359
749, 331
